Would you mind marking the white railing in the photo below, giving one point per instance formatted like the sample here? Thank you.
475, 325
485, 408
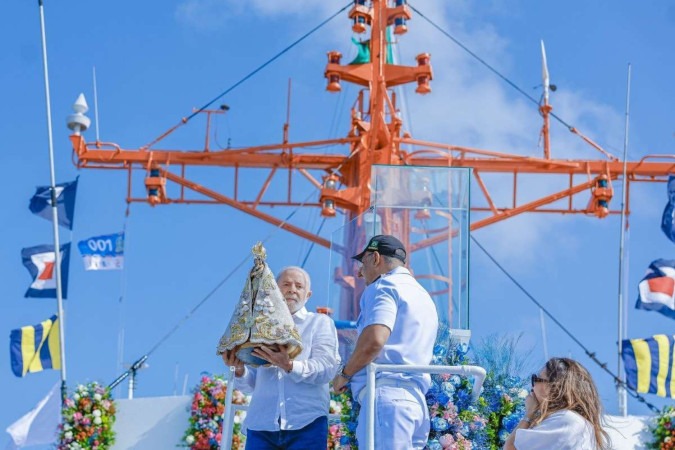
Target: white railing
228, 414
371, 372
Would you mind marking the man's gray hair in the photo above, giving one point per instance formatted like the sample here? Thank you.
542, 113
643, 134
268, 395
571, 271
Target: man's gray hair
308, 281
390, 261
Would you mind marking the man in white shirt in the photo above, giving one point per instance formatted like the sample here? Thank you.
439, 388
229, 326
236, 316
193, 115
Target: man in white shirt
290, 400
397, 325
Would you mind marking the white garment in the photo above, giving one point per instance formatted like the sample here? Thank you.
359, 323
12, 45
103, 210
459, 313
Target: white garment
562, 430
401, 418
397, 301
290, 401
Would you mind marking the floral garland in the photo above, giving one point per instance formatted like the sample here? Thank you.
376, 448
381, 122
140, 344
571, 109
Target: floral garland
663, 430
342, 433
88, 418
206, 415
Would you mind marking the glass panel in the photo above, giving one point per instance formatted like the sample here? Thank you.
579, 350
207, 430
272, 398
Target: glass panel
427, 208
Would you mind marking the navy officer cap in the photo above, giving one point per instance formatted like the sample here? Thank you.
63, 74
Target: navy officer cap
385, 245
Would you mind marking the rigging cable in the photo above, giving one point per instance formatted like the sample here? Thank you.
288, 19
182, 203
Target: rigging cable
185, 120
492, 69
589, 353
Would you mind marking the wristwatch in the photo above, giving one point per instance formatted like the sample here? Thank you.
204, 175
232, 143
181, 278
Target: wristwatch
343, 374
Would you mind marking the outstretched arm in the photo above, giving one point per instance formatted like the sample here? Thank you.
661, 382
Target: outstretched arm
368, 346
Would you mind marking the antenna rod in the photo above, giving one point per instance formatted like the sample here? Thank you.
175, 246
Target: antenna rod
95, 103
623, 328
55, 213
545, 108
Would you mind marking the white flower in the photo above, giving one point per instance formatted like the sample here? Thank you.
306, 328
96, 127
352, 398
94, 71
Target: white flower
98, 397
66, 427
237, 419
68, 434
522, 393
96, 413
189, 439
97, 420
76, 396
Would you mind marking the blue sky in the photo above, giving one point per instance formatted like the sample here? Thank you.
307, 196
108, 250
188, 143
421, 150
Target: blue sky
155, 61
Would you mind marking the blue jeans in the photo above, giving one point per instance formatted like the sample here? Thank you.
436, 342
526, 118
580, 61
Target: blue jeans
311, 437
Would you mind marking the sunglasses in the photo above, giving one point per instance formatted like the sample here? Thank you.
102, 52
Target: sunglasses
537, 379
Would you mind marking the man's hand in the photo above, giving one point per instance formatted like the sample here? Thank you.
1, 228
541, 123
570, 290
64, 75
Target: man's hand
230, 359
277, 356
339, 384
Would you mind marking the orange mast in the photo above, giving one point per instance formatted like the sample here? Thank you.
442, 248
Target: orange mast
375, 137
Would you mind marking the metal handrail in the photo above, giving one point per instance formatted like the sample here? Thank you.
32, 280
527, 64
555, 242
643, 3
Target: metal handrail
372, 369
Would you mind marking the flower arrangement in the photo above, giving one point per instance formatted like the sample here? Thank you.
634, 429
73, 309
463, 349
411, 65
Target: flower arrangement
342, 432
206, 415
663, 430
502, 402
88, 418
456, 424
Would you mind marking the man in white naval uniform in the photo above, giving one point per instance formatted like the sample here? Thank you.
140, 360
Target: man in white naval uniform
397, 325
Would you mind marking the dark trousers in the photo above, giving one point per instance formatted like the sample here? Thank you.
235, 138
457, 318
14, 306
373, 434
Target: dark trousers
310, 437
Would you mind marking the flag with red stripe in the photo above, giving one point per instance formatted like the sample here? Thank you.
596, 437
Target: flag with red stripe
40, 261
657, 288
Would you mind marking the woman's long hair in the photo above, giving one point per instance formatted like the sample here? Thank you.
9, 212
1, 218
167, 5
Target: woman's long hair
571, 387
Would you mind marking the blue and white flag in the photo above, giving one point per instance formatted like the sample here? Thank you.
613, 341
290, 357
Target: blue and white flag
103, 252
667, 222
657, 288
41, 202
40, 262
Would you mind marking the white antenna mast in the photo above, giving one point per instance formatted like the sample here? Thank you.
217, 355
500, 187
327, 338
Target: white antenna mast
95, 103
545, 108
544, 73
623, 323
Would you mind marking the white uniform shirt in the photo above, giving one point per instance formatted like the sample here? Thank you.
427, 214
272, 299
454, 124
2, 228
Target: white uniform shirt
290, 401
562, 430
397, 301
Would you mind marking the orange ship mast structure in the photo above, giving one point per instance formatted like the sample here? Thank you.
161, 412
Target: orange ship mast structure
375, 136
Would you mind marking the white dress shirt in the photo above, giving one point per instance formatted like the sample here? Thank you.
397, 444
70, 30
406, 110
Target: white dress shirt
290, 401
562, 430
397, 301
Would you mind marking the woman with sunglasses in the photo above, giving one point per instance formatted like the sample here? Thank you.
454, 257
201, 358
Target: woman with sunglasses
562, 411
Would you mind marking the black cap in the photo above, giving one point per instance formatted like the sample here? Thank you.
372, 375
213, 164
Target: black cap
386, 245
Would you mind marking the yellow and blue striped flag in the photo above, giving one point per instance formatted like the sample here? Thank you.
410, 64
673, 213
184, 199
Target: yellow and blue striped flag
34, 348
650, 364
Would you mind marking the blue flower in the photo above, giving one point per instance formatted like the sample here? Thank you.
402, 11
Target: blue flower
434, 445
511, 421
448, 388
439, 424
503, 435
